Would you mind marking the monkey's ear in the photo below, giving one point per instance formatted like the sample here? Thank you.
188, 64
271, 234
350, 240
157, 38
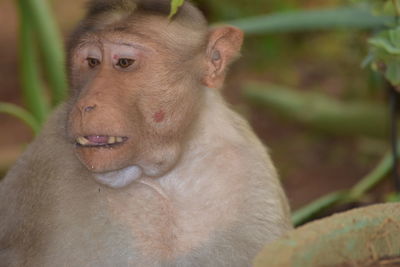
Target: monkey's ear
223, 47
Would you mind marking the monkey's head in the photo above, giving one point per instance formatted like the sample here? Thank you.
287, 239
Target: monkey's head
137, 81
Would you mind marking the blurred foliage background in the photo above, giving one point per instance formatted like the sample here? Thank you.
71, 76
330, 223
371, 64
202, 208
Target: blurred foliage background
299, 82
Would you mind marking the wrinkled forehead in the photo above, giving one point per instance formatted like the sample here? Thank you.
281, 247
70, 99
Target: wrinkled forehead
153, 31
187, 15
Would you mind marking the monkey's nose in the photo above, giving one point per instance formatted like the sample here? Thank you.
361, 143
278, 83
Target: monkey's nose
89, 108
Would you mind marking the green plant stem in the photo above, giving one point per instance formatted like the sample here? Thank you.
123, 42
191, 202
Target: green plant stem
372, 179
318, 19
32, 87
342, 197
21, 114
50, 42
307, 212
318, 111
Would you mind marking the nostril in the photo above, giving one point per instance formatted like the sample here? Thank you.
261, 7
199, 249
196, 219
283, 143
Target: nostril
89, 108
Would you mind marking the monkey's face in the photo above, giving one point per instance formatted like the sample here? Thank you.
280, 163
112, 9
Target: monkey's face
132, 103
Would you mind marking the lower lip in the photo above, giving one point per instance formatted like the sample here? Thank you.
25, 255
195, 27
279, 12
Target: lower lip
115, 145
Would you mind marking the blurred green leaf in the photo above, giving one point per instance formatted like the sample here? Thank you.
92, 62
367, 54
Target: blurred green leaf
318, 111
21, 114
306, 20
384, 54
49, 41
393, 72
393, 197
175, 4
387, 42
32, 86
381, 7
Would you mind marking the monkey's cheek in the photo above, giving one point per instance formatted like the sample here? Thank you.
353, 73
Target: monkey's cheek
100, 159
160, 161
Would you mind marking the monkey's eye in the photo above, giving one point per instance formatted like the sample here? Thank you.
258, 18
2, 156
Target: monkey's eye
125, 62
93, 62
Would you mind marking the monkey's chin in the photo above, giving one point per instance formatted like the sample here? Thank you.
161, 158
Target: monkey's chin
109, 166
101, 159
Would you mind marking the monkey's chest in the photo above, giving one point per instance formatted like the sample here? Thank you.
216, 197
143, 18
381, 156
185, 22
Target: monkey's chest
138, 226
158, 226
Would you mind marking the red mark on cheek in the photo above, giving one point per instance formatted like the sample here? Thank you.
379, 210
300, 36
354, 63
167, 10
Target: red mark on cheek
159, 116
116, 57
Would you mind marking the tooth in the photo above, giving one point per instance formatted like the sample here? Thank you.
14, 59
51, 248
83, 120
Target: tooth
82, 140
111, 140
119, 139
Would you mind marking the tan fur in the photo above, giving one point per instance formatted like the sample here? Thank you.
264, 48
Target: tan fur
193, 186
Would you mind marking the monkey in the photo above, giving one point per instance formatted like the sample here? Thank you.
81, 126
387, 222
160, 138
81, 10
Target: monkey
145, 164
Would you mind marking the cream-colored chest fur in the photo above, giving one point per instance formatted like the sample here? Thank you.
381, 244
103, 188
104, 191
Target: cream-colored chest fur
180, 212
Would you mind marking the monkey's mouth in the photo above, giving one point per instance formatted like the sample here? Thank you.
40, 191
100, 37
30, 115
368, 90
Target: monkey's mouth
100, 140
